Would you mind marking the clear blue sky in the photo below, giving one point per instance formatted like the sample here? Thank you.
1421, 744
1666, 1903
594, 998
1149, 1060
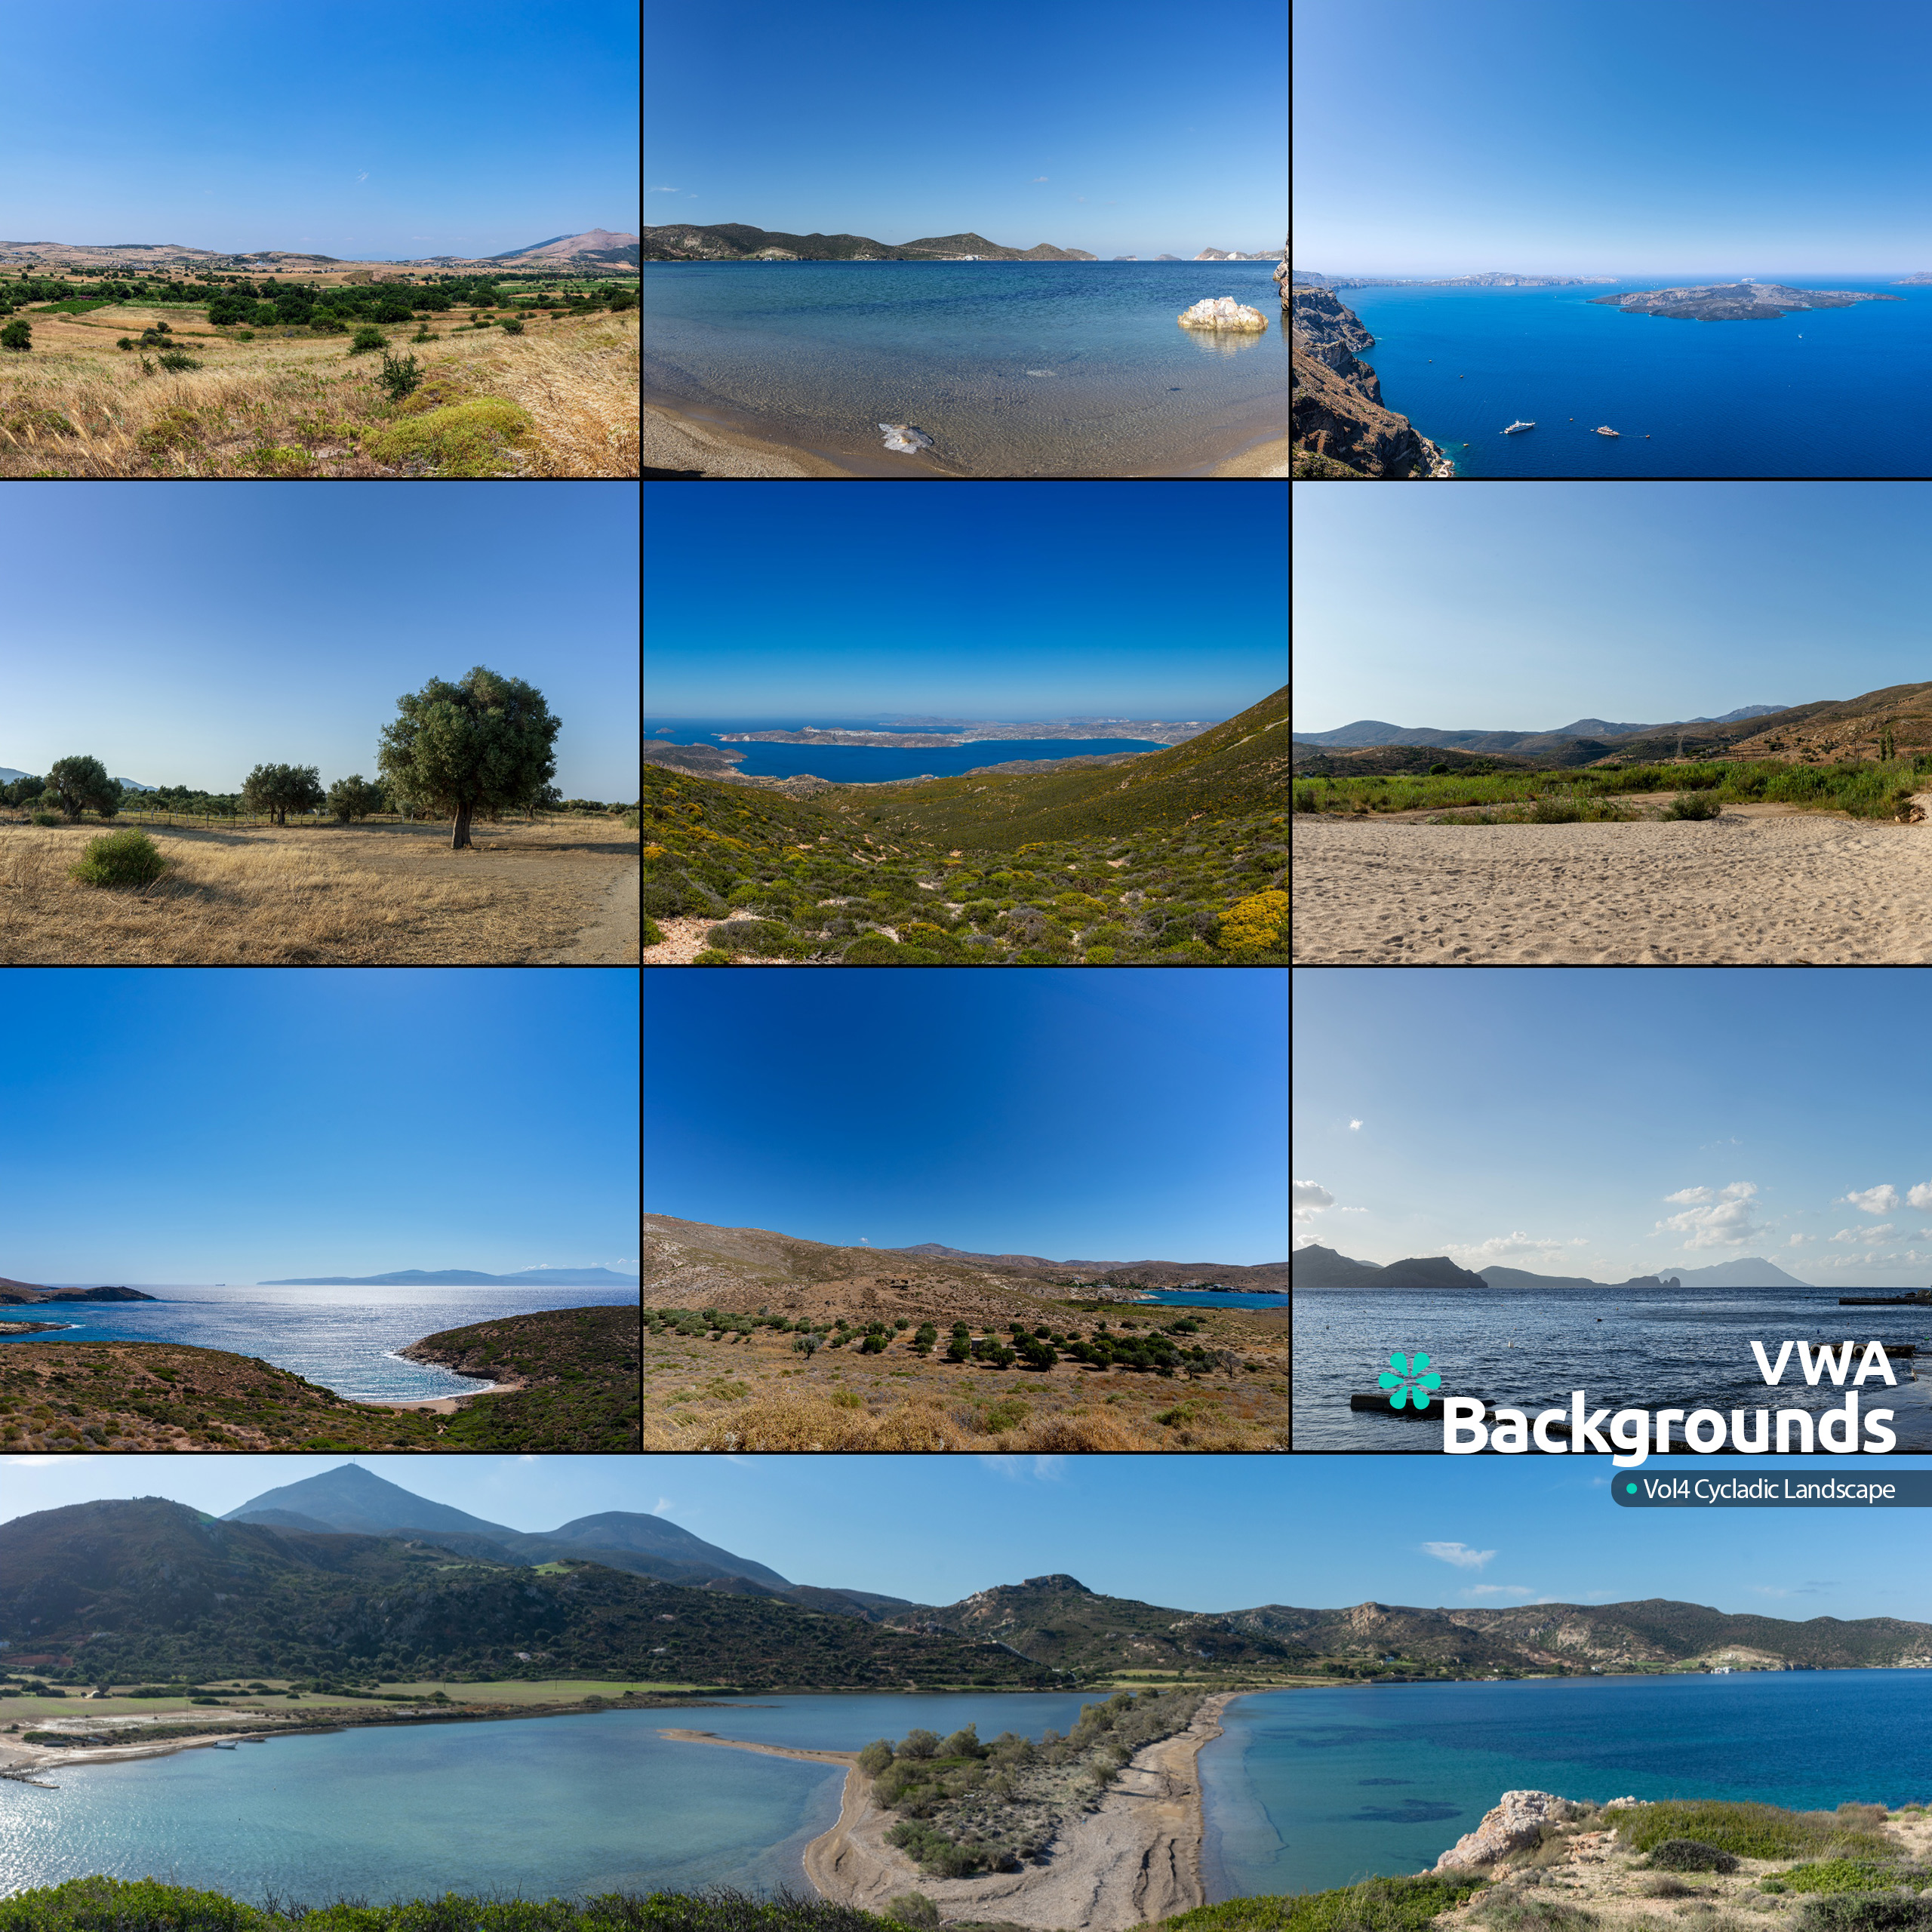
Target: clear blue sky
1648, 137
358, 129
182, 641
1606, 1123
1522, 609
1122, 127
317, 1122
1005, 600
1321, 1531
1081, 1116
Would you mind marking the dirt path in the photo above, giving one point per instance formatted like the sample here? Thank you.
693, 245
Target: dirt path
614, 936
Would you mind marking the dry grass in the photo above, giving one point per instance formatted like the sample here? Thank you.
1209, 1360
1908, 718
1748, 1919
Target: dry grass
311, 896
300, 405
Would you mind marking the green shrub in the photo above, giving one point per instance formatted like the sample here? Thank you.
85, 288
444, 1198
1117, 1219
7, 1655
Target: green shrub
654, 934
244, 335
1690, 1855
17, 334
761, 936
1556, 811
513, 328
176, 360
1099, 956
1375, 1905
1848, 1874
45, 818
365, 339
119, 858
472, 439
1692, 804
1747, 1830
712, 956
873, 949
1865, 1912
398, 378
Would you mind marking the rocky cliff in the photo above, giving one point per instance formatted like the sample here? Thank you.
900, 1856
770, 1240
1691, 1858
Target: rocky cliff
1281, 275
1337, 410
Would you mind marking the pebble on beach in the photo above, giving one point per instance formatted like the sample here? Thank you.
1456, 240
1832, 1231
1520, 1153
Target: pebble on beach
903, 438
1222, 311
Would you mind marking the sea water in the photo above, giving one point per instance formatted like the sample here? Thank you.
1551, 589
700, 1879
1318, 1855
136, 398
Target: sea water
1307, 1789
1013, 368
1823, 392
345, 1339
867, 765
544, 1806
1175, 1298
1638, 1348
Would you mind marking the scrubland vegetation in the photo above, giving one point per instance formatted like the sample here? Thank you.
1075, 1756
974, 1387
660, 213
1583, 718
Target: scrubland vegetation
1872, 788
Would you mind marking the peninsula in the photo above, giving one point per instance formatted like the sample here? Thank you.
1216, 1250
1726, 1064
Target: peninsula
734, 241
1735, 301
19, 1293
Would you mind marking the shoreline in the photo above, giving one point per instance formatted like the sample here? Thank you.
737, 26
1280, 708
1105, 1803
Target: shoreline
1137, 1857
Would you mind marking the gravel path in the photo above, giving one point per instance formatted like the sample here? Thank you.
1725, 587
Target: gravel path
613, 937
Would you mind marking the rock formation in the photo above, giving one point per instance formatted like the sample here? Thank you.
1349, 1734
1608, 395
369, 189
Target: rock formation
1281, 275
1337, 410
1516, 1823
1222, 311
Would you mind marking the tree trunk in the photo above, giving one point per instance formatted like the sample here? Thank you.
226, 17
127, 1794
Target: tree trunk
459, 837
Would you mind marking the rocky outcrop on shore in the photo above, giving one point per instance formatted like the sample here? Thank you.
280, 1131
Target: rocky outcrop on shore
1281, 275
1337, 410
1516, 1823
1221, 311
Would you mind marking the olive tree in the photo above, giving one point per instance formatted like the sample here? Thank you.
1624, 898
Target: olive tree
76, 785
279, 789
354, 797
484, 746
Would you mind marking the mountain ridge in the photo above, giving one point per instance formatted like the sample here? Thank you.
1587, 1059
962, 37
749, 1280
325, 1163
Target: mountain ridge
555, 1278
1318, 1267
738, 241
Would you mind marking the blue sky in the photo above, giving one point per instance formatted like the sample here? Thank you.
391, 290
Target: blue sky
1653, 136
1005, 600
1120, 127
1523, 609
1319, 1531
1606, 1123
202, 1125
1081, 1116
180, 642
359, 129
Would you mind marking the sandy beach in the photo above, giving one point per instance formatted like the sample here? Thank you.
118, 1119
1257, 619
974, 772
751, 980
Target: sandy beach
674, 447
1265, 459
1136, 1858
1747, 888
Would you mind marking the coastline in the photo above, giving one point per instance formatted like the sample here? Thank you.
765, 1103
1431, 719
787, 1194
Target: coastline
1135, 1858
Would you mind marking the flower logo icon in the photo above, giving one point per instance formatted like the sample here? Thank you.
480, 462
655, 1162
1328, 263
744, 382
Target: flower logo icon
1410, 1379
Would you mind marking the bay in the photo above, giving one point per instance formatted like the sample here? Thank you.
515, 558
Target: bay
1826, 392
345, 1339
1309, 1790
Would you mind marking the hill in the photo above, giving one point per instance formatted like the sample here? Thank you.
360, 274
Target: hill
596, 244
1751, 1271
734, 241
1147, 855
1264, 1278
1318, 1267
440, 1278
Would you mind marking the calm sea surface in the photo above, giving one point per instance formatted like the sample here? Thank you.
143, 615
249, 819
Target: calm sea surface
547, 1807
1831, 393
1307, 1789
1013, 368
1647, 1348
343, 1338
1173, 1298
866, 765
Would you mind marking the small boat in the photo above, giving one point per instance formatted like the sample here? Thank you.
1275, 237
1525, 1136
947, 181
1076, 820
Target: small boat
1605, 429
1515, 426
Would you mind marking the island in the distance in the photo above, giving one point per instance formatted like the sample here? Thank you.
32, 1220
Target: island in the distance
464, 1278
1735, 301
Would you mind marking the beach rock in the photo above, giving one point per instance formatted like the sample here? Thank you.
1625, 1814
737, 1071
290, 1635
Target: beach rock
903, 438
1222, 311
1516, 1823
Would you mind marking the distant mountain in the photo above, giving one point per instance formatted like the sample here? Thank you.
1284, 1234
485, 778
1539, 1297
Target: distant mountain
460, 1278
1522, 1277
1317, 1267
596, 244
1233, 255
1753, 1272
734, 241
1373, 732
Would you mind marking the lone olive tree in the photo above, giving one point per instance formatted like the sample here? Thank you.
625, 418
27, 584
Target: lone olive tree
279, 789
480, 746
77, 785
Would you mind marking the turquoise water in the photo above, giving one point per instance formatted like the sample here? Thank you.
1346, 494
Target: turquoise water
1831, 393
1307, 1789
1173, 1298
1013, 368
343, 1338
547, 1807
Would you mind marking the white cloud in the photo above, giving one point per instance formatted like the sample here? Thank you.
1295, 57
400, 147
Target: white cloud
1799, 1240
1504, 1250
1355, 1127
1019, 1469
1500, 1590
1920, 1196
1459, 1553
662, 1507
32, 1462
1721, 1219
1871, 1237
364, 175
1879, 1200
660, 191
1310, 1198
1039, 178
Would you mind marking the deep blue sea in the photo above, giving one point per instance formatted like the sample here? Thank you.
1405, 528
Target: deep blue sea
1831, 392
1013, 368
867, 764
1307, 1789
1648, 1349
343, 1338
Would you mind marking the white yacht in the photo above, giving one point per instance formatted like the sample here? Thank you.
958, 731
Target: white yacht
1515, 426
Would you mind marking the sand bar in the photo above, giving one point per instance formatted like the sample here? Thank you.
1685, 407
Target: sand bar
1741, 889
1136, 1858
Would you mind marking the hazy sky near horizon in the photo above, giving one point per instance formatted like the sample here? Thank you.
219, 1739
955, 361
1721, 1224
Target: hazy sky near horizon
358, 129
1522, 609
1127, 1116
197, 1125
1450, 1532
1605, 1123
1696, 137
1120, 127
1006, 601
183, 640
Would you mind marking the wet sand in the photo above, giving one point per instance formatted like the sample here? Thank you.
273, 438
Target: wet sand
1742, 889
1135, 1859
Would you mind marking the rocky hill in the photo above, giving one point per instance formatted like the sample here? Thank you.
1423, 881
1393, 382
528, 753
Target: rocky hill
595, 245
1337, 414
1318, 1267
734, 241
1268, 1277
1735, 301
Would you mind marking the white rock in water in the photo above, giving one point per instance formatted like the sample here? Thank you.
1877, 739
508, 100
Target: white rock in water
1223, 311
903, 438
